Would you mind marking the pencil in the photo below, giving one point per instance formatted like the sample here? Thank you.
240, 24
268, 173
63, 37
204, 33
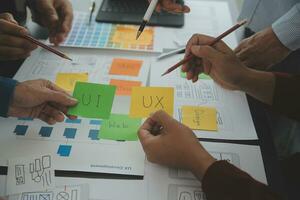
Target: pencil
213, 42
35, 41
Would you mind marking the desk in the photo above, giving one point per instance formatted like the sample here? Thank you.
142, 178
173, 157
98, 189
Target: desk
268, 151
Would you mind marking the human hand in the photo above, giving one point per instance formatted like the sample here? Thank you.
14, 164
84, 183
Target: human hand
40, 99
174, 146
219, 62
12, 45
171, 6
262, 50
56, 15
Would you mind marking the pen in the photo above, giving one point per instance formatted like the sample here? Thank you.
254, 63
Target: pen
92, 9
171, 53
217, 39
35, 41
146, 17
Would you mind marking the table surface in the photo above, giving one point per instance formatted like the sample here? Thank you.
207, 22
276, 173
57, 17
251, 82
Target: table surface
265, 141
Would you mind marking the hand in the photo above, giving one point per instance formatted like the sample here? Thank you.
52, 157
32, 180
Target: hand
12, 45
261, 50
171, 6
175, 146
56, 15
41, 99
219, 62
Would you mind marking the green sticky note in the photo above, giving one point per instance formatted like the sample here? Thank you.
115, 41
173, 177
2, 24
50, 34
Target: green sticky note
201, 76
119, 127
94, 100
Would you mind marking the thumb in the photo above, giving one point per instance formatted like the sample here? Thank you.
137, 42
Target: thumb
8, 17
206, 52
59, 97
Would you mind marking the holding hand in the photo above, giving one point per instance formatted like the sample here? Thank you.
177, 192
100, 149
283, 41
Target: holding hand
174, 146
12, 45
171, 6
56, 15
219, 62
40, 99
262, 50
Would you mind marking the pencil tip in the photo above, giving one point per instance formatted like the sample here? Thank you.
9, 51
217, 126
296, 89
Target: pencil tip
164, 73
138, 35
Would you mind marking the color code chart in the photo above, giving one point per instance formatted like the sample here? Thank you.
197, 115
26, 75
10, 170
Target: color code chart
106, 35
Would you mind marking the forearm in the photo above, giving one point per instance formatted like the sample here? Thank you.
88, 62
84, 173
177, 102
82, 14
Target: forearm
259, 84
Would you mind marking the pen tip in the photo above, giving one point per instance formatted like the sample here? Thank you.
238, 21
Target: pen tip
164, 73
138, 35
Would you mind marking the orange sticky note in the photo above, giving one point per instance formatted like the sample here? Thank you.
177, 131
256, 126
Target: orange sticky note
124, 87
126, 67
127, 35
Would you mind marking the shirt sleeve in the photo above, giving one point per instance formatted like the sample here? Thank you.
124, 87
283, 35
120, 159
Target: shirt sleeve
287, 28
225, 181
286, 95
7, 87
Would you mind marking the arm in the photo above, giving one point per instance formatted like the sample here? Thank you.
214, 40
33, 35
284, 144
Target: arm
177, 146
287, 28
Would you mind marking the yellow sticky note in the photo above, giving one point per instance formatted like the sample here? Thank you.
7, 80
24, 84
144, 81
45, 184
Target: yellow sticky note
146, 100
127, 67
127, 35
199, 118
124, 87
67, 81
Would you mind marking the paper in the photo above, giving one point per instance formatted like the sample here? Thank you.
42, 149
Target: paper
94, 100
119, 127
30, 174
127, 35
124, 87
201, 76
125, 67
170, 183
146, 100
199, 118
67, 81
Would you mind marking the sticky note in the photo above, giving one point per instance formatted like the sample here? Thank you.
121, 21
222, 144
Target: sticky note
125, 67
124, 87
146, 100
127, 35
199, 118
200, 76
94, 100
119, 127
67, 80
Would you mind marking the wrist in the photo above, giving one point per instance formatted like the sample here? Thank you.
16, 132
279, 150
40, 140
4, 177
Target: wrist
201, 161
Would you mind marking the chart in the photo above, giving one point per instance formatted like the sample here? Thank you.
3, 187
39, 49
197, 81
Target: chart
105, 35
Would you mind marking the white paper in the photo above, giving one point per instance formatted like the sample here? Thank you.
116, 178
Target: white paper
173, 184
64, 192
86, 154
233, 115
27, 174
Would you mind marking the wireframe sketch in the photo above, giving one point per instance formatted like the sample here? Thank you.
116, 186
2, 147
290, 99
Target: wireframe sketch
20, 174
40, 170
37, 196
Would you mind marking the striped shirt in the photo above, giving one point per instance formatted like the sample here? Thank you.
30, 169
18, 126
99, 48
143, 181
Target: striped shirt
282, 15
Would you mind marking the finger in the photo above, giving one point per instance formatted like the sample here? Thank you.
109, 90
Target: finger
49, 13
53, 113
46, 119
60, 107
144, 132
206, 52
18, 42
11, 28
55, 87
8, 17
206, 66
162, 118
169, 5
197, 71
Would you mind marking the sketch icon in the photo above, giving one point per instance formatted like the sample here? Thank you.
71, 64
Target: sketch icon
20, 174
185, 196
40, 170
62, 196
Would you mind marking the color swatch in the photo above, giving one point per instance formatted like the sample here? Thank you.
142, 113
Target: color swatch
199, 118
146, 100
105, 35
120, 127
94, 100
